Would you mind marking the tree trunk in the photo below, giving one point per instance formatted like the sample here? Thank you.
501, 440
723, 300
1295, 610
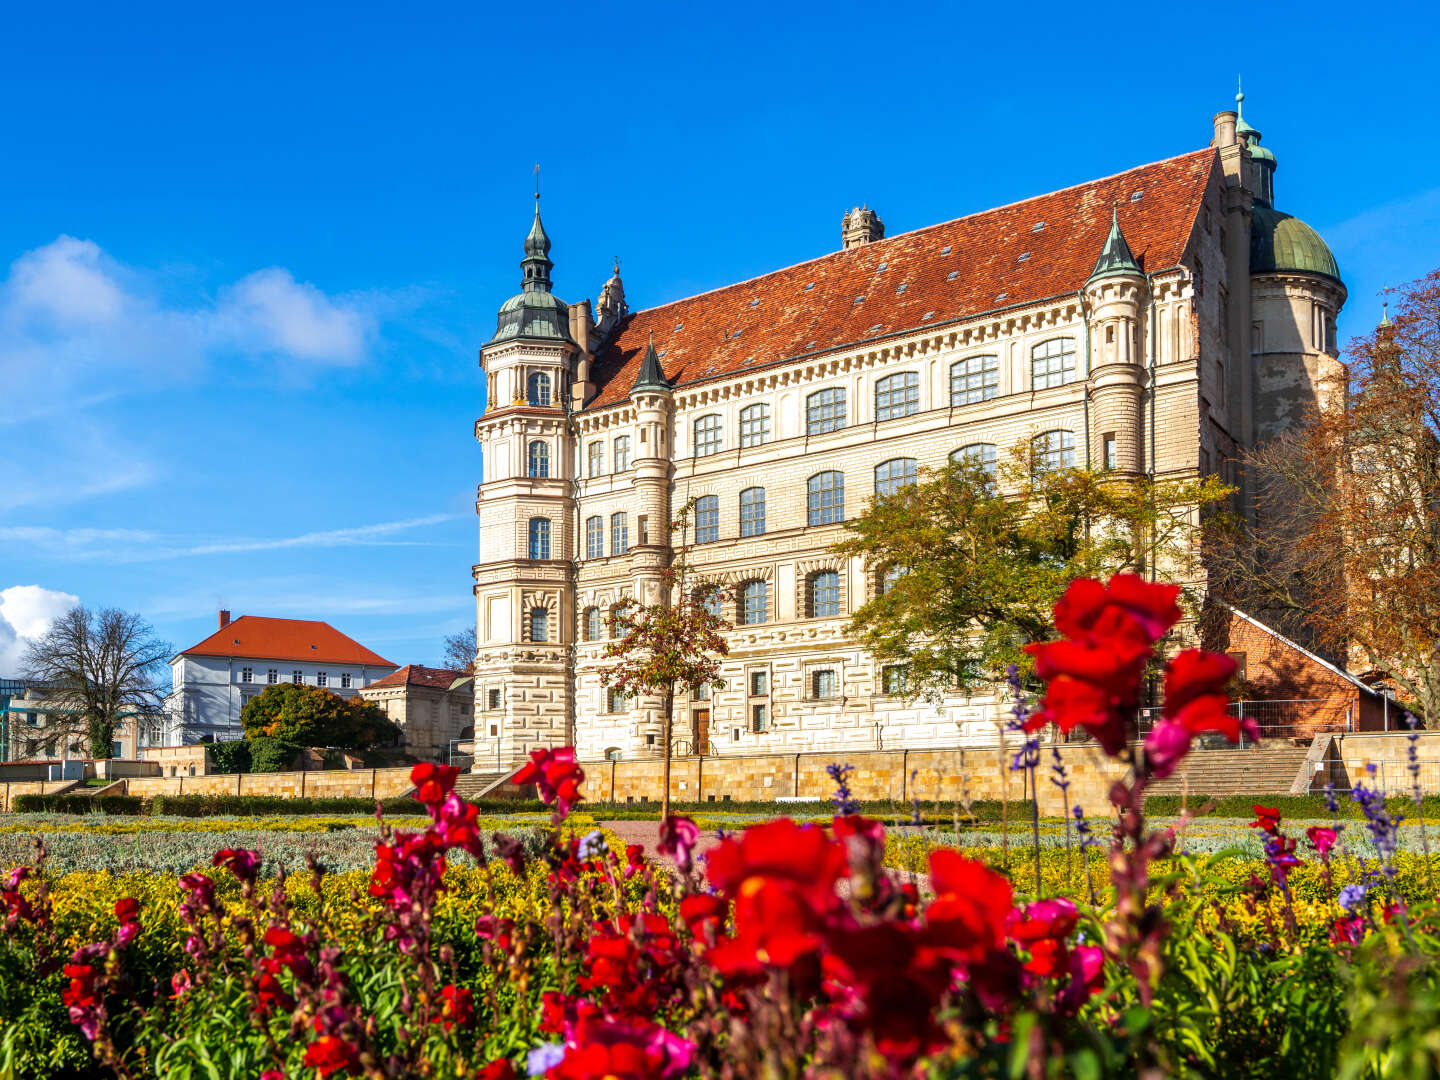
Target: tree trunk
669, 717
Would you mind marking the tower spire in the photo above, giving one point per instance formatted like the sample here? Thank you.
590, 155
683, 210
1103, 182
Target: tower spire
536, 264
652, 375
1115, 256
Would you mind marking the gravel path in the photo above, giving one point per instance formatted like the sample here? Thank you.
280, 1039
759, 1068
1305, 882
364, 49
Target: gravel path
648, 834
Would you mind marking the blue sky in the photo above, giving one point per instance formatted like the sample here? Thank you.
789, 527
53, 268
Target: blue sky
252, 252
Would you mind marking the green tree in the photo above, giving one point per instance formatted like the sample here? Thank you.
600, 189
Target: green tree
967, 565
314, 716
676, 641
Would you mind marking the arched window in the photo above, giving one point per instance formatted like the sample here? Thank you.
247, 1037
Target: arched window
976, 378
595, 537
615, 701
539, 538
755, 425
596, 454
622, 453
707, 435
754, 603
619, 533
897, 395
980, 453
592, 624
825, 498
752, 512
539, 459
824, 594
892, 475
1052, 363
825, 411
1053, 450
539, 624
537, 388
707, 519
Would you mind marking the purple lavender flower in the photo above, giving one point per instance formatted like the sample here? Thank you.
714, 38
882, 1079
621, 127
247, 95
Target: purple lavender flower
845, 803
1352, 897
544, 1058
1082, 828
1384, 830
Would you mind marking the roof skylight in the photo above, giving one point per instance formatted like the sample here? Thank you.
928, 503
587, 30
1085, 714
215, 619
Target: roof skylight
952, 275
1136, 196
901, 289
1039, 226
1024, 257
945, 250
1001, 296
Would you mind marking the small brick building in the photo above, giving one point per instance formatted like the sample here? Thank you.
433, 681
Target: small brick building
1291, 691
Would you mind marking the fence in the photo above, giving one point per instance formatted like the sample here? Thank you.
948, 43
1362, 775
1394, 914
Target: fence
1296, 719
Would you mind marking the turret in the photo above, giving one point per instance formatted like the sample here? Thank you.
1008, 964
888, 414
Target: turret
653, 401
861, 226
1114, 297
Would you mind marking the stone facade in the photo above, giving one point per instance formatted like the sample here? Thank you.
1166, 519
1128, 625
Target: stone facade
1116, 324
434, 708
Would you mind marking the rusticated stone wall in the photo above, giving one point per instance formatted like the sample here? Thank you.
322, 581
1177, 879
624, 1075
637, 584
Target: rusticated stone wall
327, 784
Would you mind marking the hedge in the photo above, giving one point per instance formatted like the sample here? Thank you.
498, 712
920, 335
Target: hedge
195, 806
130, 805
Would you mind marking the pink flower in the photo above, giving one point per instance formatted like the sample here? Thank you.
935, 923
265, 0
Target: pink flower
180, 982
1322, 839
242, 863
678, 837
1165, 747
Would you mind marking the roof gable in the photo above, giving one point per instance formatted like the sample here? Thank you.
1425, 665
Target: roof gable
419, 675
1013, 255
261, 638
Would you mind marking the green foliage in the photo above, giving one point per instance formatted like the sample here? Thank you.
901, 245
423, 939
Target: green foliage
196, 806
230, 757
314, 716
269, 755
1295, 807
972, 564
79, 804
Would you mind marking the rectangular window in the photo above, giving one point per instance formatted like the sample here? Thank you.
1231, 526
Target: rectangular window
619, 534
322, 678
823, 683
616, 702
272, 676
894, 679
494, 699
345, 680
825, 498
32, 719
759, 717
622, 453
1239, 658
642, 529
539, 624
115, 749
825, 411
825, 595
1111, 461
707, 519
596, 453
752, 512
701, 692
297, 677
594, 538
247, 674
759, 682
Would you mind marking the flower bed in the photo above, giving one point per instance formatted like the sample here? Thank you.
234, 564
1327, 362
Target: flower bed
795, 950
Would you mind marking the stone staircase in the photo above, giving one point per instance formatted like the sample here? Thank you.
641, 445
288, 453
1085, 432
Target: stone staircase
478, 785
1265, 770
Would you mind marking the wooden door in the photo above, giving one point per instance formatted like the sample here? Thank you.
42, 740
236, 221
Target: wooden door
701, 718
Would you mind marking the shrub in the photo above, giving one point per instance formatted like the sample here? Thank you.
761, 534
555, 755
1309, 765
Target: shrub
315, 716
271, 755
78, 804
271, 805
230, 757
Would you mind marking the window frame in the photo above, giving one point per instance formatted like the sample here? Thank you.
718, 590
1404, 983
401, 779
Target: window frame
620, 453
708, 435
1064, 451
539, 618
346, 680
595, 537
758, 590
615, 702
297, 677
537, 459
988, 457
825, 411
539, 385
897, 395
594, 458
909, 475
619, 533
247, 675
538, 538
894, 679
964, 382
818, 509
830, 607
708, 531
593, 623
816, 676
752, 512
755, 424
1067, 370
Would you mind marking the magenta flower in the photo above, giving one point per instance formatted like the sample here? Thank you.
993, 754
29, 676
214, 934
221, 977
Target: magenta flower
244, 864
1322, 839
678, 837
1165, 747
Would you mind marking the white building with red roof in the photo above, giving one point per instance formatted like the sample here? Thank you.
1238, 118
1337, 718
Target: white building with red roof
213, 679
1155, 322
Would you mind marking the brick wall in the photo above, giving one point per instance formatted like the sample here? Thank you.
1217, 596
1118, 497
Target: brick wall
330, 783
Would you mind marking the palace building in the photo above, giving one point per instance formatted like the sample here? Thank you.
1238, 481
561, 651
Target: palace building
1155, 321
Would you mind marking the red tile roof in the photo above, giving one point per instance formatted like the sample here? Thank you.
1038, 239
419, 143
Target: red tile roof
419, 675
285, 639
846, 297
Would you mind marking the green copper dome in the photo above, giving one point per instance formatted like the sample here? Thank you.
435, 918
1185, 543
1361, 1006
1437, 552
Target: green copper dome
534, 312
1279, 242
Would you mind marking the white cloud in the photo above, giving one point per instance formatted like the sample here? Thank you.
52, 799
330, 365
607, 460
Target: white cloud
26, 612
76, 322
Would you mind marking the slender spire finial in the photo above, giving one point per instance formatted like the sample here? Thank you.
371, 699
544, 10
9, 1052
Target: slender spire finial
537, 185
1239, 95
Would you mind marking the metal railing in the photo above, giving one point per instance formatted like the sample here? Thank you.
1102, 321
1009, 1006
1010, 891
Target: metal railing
686, 746
1282, 720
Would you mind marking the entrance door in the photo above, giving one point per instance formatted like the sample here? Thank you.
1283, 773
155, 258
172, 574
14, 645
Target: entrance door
701, 719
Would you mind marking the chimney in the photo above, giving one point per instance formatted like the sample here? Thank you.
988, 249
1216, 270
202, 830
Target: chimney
224, 618
861, 226
1224, 129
